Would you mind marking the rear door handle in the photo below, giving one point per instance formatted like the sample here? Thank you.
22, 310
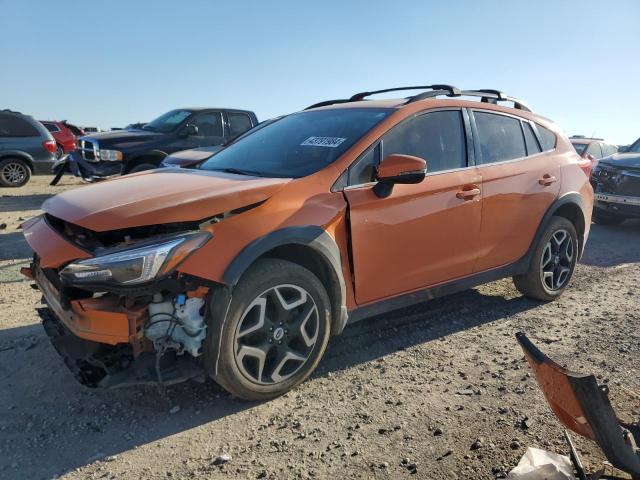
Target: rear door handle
547, 180
468, 192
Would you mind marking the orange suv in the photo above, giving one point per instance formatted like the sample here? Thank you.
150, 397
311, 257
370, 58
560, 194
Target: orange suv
245, 267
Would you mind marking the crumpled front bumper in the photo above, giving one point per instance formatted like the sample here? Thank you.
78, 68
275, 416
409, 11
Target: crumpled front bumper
92, 171
98, 365
99, 339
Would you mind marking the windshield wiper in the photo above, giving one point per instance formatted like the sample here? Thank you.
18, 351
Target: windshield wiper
239, 171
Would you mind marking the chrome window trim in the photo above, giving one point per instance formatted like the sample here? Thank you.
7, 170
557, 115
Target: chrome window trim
535, 132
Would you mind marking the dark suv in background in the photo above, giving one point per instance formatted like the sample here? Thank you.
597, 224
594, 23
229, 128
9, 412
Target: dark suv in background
108, 154
616, 183
26, 148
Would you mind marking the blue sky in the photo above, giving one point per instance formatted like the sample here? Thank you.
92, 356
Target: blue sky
110, 63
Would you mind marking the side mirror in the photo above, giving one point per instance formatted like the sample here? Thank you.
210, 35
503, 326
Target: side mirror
189, 130
397, 168
591, 158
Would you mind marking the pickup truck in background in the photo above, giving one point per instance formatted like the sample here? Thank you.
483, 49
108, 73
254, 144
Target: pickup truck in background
108, 154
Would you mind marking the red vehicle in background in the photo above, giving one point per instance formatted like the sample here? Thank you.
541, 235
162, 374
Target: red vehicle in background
64, 134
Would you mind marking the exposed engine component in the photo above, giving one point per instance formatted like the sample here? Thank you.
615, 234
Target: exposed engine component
176, 323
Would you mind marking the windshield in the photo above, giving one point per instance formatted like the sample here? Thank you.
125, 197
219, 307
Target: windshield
167, 122
297, 145
635, 148
580, 147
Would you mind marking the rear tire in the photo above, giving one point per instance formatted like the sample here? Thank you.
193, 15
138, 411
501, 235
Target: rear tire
276, 330
606, 219
552, 264
14, 172
142, 167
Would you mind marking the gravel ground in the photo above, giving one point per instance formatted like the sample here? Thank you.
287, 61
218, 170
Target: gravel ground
438, 390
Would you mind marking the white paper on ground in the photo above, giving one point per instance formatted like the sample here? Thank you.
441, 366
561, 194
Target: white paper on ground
538, 464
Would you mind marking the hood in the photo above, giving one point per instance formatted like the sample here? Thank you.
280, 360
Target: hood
123, 138
159, 196
622, 160
190, 157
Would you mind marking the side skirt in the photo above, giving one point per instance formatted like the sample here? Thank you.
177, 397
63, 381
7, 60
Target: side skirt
441, 290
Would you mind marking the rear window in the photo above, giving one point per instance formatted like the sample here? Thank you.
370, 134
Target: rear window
299, 144
238, 124
51, 127
12, 126
580, 147
547, 137
501, 137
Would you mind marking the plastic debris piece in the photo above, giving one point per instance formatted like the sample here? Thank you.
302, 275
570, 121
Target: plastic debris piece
537, 464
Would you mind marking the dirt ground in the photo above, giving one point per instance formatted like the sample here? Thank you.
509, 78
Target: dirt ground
404, 393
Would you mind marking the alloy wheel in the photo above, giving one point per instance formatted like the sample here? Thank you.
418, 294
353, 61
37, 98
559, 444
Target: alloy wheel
14, 173
557, 260
276, 334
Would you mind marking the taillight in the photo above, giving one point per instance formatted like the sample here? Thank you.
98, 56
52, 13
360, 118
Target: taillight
587, 165
49, 146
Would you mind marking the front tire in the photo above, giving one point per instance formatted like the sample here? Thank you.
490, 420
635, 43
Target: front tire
14, 172
276, 330
553, 262
59, 151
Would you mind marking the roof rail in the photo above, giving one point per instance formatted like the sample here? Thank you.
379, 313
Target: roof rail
452, 91
494, 96
327, 102
437, 90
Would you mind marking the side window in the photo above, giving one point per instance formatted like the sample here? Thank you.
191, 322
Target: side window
530, 139
608, 149
362, 170
547, 137
209, 124
51, 127
500, 137
12, 126
595, 150
238, 124
437, 137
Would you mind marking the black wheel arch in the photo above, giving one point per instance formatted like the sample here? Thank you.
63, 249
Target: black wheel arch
570, 206
309, 246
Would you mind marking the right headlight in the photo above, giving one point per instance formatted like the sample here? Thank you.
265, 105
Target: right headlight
110, 155
134, 265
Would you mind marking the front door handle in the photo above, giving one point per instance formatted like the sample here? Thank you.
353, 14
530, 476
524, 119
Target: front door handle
468, 192
547, 180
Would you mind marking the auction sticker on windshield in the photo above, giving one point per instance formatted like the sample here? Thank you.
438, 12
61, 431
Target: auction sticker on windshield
331, 142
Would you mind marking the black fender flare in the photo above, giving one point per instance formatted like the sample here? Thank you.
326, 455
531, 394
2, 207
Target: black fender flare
310, 236
570, 198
